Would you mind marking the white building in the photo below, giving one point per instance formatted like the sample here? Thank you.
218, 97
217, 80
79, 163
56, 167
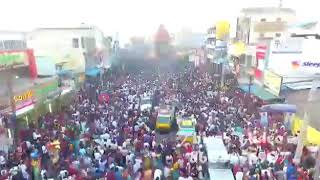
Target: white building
211, 43
257, 27
255, 24
75, 48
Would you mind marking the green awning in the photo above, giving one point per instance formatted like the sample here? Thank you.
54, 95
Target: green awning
258, 91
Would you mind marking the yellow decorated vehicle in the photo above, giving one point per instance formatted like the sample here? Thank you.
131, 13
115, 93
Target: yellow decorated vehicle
164, 121
187, 130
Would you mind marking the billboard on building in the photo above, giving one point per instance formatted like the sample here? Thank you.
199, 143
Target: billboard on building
295, 59
222, 30
273, 82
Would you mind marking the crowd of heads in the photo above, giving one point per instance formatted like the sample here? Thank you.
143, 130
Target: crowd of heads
114, 139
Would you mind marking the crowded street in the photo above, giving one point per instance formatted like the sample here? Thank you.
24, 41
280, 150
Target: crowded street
122, 133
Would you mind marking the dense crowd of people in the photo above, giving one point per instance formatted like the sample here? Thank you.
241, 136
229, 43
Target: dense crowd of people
112, 139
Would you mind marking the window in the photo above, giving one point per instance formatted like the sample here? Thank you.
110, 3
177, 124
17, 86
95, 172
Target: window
278, 19
1, 45
278, 34
75, 43
8, 44
263, 20
13, 45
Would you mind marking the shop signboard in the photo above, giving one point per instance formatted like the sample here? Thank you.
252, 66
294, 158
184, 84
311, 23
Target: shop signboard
14, 59
23, 97
273, 82
222, 30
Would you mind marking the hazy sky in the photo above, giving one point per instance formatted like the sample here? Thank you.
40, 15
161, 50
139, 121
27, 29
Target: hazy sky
134, 17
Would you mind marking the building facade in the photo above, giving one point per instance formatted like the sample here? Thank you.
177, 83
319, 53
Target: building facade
211, 43
257, 27
76, 48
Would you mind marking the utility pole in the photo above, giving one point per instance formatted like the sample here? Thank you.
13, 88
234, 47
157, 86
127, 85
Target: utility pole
304, 128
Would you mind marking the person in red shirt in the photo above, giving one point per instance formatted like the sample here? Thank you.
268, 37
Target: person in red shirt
110, 175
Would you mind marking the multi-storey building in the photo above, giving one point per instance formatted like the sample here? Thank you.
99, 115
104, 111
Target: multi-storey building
211, 43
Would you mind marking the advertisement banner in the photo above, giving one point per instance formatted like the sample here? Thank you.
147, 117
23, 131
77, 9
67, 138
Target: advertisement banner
13, 58
273, 82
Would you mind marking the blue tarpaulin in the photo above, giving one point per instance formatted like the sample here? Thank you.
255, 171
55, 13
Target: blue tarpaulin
94, 72
290, 108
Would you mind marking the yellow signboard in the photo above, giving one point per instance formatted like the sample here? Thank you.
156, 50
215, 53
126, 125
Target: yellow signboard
273, 82
222, 30
25, 96
238, 48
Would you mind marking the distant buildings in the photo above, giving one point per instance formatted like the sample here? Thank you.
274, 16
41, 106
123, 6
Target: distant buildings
186, 39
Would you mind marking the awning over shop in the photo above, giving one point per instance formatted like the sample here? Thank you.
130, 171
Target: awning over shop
258, 91
93, 72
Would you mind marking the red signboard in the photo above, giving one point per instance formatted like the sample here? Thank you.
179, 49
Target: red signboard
261, 51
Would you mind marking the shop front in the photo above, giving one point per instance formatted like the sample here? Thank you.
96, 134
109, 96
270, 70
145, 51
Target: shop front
33, 103
25, 105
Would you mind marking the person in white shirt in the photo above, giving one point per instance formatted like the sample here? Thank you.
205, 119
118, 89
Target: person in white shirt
157, 174
2, 161
137, 165
166, 172
239, 175
36, 135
